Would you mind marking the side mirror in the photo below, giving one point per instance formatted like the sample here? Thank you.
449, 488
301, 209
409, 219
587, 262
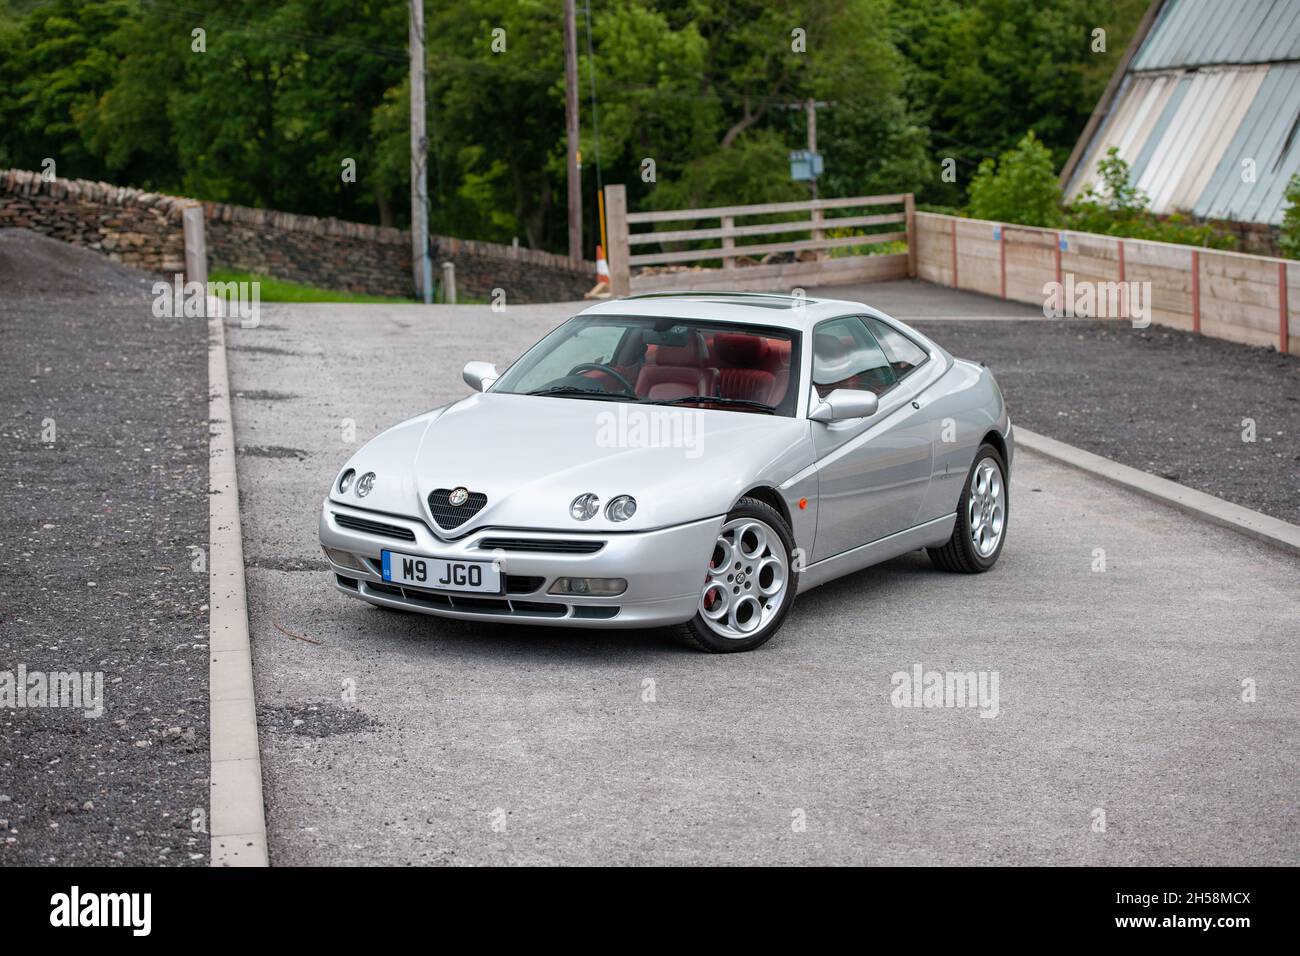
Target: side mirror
480, 375
844, 404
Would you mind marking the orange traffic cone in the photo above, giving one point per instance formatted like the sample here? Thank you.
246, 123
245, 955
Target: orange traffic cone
601, 288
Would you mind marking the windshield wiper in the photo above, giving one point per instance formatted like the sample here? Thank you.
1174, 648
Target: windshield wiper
718, 400
577, 390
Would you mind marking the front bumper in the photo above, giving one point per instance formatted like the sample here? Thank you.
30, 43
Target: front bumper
664, 569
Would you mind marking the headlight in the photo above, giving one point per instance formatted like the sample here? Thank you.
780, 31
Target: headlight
621, 508
345, 481
584, 507
365, 483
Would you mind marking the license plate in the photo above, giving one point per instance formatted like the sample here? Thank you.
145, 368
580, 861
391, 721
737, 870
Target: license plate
440, 574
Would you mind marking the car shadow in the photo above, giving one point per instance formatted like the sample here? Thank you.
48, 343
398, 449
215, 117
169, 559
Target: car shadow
425, 635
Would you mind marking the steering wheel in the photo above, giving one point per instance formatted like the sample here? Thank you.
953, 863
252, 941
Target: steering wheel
613, 373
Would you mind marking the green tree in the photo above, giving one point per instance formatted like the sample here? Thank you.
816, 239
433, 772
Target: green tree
54, 65
1021, 187
981, 72
1289, 238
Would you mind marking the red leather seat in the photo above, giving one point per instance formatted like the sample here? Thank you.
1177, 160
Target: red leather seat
677, 371
779, 362
742, 370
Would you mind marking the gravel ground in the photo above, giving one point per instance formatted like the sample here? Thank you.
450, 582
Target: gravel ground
97, 528
1168, 402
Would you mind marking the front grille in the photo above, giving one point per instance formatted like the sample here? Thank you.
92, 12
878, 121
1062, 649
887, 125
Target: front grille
541, 545
374, 527
447, 515
461, 602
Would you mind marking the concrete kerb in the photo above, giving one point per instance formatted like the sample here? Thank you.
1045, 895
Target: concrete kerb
237, 817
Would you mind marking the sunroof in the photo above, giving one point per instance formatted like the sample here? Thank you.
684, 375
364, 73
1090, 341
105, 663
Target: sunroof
762, 300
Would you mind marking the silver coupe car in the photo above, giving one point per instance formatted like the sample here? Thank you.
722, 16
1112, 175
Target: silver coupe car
682, 460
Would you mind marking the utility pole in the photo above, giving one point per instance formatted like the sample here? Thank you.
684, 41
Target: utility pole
810, 105
420, 263
817, 234
571, 122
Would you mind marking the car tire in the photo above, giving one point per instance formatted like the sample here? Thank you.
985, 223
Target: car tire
962, 553
699, 633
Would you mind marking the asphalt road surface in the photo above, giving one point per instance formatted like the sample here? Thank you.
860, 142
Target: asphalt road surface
1121, 734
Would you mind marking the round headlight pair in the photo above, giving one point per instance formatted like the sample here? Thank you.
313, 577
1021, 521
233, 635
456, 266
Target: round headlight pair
621, 508
586, 506
364, 485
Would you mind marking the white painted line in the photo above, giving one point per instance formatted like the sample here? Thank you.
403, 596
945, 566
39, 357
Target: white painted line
1264, 527
237, 818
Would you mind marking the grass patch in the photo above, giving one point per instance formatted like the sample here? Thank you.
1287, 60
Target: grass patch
280, 290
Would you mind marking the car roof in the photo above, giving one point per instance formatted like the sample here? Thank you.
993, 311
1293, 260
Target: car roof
751, 308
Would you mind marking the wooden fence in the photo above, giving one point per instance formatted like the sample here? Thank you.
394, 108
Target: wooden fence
814, 269
1228, 295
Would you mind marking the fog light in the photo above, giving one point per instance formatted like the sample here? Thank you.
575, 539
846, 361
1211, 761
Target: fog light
345, 559
584, 507
345, 481
621, 508
590, 587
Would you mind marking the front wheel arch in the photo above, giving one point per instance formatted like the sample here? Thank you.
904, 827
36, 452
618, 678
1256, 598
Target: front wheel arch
769, 496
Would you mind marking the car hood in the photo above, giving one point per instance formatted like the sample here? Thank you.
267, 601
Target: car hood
532, 455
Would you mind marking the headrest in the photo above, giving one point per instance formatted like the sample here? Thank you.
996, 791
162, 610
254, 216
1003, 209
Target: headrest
692, 354
829, 348
780, 350
738, 349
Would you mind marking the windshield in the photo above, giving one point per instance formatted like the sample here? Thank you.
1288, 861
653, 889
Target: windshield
739, 368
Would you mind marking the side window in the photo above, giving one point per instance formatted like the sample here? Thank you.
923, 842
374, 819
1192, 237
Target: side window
847, 355
903, 354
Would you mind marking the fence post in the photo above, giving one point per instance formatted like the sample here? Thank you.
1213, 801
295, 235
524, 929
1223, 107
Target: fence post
728, 242
620, 278
449, 283
1124, 296
1283, 311
1002, 258
909, 219
196, 246
1196, 290
953, 220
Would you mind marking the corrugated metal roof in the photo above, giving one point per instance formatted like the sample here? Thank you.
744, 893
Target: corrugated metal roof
1196, 136
1267, 136
1186, 137
1192, 33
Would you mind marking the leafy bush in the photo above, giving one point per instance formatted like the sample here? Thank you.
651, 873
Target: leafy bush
1120, 209
1021, 187
1289, 240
